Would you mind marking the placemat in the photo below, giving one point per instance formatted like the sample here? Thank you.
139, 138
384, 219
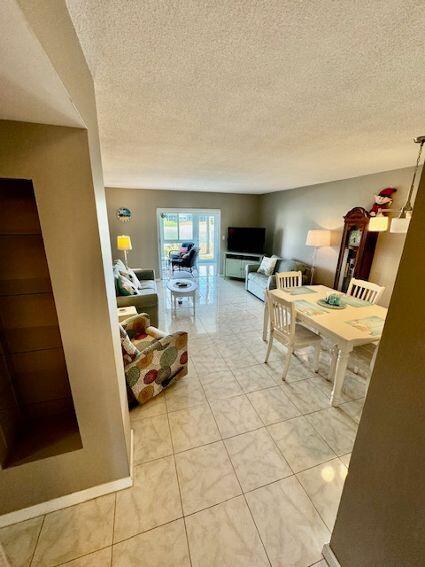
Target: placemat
372, 325
301, 290
354, 301
309, 308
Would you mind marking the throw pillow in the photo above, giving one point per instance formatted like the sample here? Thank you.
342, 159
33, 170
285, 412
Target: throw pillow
125, 286
126, 272
133, 278
267, 266
129, 351
182, 250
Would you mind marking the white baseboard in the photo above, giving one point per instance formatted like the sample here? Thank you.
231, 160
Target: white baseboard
70, 499
329, 556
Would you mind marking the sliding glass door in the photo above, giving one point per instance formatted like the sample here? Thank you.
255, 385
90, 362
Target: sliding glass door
200, 226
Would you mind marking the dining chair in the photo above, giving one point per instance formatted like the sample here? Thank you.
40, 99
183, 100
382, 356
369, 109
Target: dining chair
285, 329
288, 279
367, 291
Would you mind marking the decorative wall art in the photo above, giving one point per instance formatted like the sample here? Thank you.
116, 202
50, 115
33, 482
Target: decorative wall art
123, 214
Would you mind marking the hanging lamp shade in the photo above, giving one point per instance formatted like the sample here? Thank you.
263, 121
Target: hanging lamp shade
378, 223
400, 225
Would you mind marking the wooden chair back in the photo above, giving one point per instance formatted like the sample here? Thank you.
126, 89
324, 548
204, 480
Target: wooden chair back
367, 291
288, 279
282, 317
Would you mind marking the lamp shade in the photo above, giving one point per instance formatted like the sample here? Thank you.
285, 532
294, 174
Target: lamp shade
378, 223
124, 242
400, 226
318, 238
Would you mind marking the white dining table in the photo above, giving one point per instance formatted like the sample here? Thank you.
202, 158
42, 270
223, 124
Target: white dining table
332, 324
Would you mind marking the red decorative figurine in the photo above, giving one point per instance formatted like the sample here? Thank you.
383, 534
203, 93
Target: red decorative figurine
382, 201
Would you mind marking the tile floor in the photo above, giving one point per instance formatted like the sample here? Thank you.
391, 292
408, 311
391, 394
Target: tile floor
232, 466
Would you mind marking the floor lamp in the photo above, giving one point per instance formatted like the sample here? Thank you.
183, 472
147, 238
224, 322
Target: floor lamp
124, 244
317, 239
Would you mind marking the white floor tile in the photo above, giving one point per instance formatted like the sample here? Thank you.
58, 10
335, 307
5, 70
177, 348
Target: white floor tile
220, 385
100, 558
324, 485
192, 427
290, 527
305, 396
254, 378
336, 428
152, 438
256, 459
186, 393
162, 546
69, 533
300, 444
272, 405
235, 416
206, 477
154, 499
19, 541
225, 536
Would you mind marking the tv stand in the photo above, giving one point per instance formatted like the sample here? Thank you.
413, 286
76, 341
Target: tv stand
235, 262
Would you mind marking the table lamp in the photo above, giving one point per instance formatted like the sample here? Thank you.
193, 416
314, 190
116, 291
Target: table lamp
124, 243
317, 239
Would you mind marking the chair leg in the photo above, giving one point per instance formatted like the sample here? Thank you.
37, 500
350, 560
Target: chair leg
269, 348
316, 359
287, 362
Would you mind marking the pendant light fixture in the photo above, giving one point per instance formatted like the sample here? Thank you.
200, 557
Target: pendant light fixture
401, 223
378, 223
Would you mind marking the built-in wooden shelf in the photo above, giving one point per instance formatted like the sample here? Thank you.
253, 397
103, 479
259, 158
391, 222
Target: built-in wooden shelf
43, 438
37, 417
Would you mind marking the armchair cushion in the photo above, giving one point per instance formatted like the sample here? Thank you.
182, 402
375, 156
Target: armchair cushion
157, 366
128, 349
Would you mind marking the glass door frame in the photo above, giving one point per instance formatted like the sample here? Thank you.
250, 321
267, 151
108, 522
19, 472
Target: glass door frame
195, 234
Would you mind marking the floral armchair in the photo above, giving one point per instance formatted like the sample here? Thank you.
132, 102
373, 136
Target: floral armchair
152, 359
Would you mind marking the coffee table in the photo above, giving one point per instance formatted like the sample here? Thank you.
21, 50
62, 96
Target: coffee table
177, 293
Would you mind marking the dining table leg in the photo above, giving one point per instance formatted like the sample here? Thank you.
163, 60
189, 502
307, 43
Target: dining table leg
266, 323
340, 370
334, 357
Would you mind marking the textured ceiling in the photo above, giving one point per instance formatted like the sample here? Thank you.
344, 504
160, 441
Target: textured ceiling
30, 89
253, 96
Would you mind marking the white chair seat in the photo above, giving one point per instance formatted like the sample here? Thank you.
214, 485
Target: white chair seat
305, 336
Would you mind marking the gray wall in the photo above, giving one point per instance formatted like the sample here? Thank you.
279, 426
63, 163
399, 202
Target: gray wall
288, 215
236, 210
381, 518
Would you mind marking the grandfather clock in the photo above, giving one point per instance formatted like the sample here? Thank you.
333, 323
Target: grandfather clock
357, 249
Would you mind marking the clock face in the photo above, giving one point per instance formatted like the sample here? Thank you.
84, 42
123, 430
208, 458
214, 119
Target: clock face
123, 214
355, 237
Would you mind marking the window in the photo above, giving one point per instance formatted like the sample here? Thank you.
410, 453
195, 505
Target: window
178, 226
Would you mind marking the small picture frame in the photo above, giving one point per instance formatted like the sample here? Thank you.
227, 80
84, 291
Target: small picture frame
123, 214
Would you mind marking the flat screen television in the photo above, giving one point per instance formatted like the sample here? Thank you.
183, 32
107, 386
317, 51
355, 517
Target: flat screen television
244, 239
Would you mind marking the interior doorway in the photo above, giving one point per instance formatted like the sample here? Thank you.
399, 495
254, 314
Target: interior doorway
200, 226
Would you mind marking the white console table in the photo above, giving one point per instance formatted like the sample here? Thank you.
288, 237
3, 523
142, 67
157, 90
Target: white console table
235, 262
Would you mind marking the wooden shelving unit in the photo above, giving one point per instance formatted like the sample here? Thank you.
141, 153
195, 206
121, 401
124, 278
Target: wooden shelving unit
37, 416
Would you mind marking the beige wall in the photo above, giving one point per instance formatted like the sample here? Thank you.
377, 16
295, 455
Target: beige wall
66, 169
236, 210
51, 23
57, 160
288, 215
381, 518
